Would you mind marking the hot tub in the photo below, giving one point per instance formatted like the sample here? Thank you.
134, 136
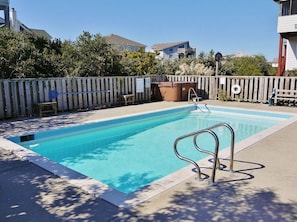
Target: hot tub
172, 91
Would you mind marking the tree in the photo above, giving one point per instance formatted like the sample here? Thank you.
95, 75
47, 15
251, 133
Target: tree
138, 63
25, 55
28, 55
93, 56
166, 67
250, 66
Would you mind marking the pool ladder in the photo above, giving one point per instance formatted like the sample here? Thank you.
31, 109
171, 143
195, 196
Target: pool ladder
216, 163
194, 98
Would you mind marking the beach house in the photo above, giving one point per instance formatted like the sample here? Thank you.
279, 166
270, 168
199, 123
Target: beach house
174, 50
287, 29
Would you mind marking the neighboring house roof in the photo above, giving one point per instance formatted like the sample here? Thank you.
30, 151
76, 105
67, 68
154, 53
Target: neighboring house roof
275, 60
237, 55
24, 28
163, 46
41, 33
118, 40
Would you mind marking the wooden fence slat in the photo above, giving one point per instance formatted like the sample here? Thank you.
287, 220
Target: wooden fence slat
103, 94
260, 90
79, 95
113, 93
29, 98
94, 95
21, 98
245, 89
64, 95
270, 86
110, 87
15, 98
7, 96
251, 90
264, 90
228, 86
89, 94
292, 84
241, 84
99, 94
281, 83
34, 89
69, 95
40, 91
147, 85
58, 88
2, 105
84, 95
256, 89
106, 86
46, 88
74, 86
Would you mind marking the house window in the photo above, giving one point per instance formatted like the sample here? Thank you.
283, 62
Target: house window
289, 7
294, 7
286, 8
181, 56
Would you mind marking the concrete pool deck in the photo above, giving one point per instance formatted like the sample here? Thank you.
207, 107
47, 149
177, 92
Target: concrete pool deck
263, 188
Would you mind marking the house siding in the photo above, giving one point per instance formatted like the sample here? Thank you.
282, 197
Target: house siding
287, 24
291, 62
173, 52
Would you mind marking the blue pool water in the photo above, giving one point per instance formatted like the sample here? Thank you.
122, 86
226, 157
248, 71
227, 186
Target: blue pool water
132, 152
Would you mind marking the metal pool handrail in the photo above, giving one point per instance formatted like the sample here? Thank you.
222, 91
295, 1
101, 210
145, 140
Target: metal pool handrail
232, 141
202, 150
215, 154
192, 94
195, 134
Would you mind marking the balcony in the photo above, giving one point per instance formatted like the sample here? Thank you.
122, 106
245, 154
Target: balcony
186, 51
287, 25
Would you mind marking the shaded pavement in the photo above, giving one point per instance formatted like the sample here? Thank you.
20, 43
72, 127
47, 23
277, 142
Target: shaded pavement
263, 188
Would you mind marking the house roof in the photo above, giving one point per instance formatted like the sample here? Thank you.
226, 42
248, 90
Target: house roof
275, 60
163, 46
41, 33
118, 40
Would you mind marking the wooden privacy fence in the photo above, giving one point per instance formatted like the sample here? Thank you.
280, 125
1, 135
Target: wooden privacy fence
18, 96
253, 88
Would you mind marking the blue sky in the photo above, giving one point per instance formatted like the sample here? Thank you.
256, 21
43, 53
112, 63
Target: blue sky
230, 26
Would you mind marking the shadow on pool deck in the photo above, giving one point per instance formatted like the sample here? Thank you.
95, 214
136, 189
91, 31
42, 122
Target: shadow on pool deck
233, 198
262, 189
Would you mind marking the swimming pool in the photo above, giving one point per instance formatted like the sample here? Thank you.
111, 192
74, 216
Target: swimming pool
118, 136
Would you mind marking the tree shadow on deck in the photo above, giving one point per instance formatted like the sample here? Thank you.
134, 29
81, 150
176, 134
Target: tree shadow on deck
29, 193
229, 200
27, 125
